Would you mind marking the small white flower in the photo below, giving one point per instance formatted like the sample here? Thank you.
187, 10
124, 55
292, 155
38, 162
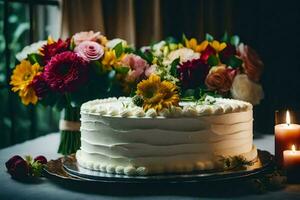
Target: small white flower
184, 54
112, 43
158, 48
33, 48
245, 89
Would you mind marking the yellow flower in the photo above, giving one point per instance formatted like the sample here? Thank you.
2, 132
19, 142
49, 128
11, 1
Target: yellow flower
202, 46
23, 74
157, 94
28, 96
218, 46
109, 59
193, 44
103, 40
50, 40
21, 78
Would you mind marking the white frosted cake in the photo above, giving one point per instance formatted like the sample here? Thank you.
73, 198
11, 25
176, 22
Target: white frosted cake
119, 137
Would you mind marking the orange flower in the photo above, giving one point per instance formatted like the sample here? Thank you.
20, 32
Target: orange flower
193, 44
219, 79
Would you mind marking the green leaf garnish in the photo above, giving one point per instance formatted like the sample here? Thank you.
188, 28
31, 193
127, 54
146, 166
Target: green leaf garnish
235, 162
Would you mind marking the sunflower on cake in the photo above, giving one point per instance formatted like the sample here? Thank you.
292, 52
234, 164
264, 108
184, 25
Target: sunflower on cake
172, 107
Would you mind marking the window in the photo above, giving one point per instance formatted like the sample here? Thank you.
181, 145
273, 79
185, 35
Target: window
21, 23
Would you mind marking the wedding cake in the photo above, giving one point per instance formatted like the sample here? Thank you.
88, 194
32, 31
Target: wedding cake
120, 137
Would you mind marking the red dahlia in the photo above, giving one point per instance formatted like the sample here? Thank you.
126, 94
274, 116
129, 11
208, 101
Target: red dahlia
227, 52
193, 73
65, 72
50, 50
40, 86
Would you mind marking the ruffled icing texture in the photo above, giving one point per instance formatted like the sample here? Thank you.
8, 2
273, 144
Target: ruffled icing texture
124, 108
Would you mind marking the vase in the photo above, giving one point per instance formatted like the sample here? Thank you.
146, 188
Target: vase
69, 127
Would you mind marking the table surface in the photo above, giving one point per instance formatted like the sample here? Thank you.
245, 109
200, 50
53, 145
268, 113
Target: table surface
45, 189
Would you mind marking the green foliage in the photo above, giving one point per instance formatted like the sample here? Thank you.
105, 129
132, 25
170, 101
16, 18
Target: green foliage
122, 70
234, 62
225, 38
119, 49
174, 64
235, 40
146, 55
35, 58
209, 37
213, 60
171, 40
15, 116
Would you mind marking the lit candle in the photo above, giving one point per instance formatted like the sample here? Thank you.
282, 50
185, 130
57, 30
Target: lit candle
285, 136
291, 158
291, 163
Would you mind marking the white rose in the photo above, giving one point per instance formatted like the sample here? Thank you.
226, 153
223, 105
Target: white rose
112, 43
184, 54
33, 48
245, 89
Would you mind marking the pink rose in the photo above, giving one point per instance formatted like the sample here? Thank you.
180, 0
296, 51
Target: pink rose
89, 50
137, 65
252, 63
86, 36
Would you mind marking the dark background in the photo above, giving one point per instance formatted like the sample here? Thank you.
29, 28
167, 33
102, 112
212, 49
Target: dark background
270, 27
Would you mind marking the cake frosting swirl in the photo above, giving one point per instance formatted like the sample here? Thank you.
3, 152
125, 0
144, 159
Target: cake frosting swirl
119, 137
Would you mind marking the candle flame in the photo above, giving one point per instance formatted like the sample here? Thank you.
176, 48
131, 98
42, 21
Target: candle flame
288, 118
293, 148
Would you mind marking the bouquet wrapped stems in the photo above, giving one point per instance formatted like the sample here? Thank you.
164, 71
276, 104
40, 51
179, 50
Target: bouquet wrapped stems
70, 130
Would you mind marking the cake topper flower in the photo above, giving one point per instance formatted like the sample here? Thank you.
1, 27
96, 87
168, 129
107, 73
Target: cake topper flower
157, 94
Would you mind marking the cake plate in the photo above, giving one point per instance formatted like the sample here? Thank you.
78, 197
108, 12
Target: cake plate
70, 169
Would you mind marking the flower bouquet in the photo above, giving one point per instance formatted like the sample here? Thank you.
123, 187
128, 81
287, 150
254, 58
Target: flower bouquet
224, 68
66, 73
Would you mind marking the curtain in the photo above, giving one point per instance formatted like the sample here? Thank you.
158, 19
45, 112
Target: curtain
144, 21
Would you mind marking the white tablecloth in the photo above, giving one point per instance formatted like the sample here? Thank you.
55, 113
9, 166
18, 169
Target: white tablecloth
47, 145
